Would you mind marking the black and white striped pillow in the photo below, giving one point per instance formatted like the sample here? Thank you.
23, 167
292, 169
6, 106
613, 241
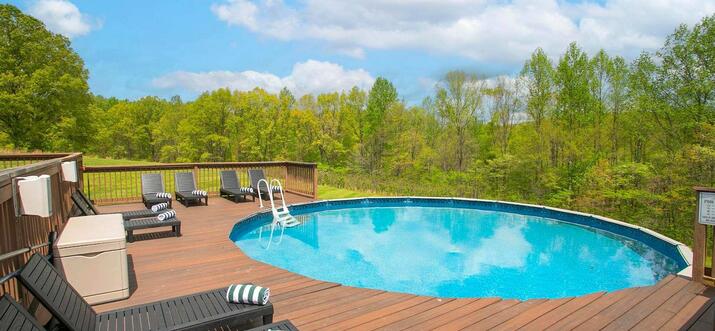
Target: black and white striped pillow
200, 193
163, 195
167, 215
246, 189
159, 206
248, 294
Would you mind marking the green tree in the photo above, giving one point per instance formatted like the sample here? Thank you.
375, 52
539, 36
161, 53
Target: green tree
457, 100
618, 99
43, 86
380, 99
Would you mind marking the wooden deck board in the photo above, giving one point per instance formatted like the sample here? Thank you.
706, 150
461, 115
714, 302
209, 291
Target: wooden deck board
504, 315
357, 322
637, 313
531, 314
668, 309
204, 258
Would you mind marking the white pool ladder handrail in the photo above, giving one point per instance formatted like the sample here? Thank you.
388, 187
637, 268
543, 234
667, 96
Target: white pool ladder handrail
281, 217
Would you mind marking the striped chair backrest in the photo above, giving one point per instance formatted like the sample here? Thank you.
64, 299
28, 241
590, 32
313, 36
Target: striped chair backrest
56, 294
184, 182
13, 316
152, 183
229, 180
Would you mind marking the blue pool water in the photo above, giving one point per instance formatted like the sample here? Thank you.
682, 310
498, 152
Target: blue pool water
455, 252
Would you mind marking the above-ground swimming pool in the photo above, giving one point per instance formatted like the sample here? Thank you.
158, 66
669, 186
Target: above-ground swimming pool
461, 248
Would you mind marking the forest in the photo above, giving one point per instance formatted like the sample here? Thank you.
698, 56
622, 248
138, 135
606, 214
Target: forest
627, 139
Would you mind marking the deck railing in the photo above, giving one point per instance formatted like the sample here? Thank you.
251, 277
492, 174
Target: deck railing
14, 160
122, 184
22, 236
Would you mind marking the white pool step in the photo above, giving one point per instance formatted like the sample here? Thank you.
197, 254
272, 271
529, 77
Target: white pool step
289, 221
281, 215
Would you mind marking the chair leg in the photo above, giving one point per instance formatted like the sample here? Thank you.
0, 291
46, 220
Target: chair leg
177, 230
130, 236
267, 319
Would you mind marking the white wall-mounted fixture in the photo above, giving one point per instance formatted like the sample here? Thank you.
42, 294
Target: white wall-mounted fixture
35, 196
69, 171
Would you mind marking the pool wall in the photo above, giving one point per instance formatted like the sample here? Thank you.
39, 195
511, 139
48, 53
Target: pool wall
667, 246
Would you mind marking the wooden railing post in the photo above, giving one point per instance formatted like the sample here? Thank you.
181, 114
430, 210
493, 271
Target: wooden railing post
315, 181
704, 219
285, 175
196, 175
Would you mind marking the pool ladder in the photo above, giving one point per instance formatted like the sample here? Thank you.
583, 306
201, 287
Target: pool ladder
281, 215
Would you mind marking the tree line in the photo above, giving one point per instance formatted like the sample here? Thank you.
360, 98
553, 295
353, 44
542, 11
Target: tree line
591, 132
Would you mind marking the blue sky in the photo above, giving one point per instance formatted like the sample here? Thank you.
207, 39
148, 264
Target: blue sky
164, 48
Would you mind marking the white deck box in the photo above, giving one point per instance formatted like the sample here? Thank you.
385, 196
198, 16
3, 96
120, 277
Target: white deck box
91, 253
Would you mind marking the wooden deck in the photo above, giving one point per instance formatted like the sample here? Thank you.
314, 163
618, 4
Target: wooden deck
204, 258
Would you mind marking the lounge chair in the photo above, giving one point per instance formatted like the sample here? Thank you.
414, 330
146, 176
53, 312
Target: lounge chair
255, 175
201, 311
231, 187
185, 185
150, 223
13, 316
133, 220
151, 185
87, 208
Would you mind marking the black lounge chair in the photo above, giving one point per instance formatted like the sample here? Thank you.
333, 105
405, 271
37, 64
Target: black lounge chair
150, 223
255, 175
87, 208
151, 185
13, 316
201, 311
185, 184
133, 220
231, 187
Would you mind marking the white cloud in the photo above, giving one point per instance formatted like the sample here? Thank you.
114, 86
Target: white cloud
238, 13
485, 30
310, 77
62, 17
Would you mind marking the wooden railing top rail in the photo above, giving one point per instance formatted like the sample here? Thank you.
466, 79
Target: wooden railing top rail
7, 175
32, 156
196, 165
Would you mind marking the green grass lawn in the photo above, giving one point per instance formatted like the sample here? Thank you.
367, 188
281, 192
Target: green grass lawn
329, 192
92, 161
